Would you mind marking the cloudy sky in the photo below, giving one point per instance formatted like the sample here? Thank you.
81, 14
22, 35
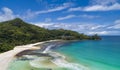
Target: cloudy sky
85, 16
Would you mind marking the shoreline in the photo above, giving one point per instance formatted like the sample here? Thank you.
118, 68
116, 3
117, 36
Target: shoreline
7, 57
54, 59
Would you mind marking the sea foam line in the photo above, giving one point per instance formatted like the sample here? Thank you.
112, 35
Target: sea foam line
59, 60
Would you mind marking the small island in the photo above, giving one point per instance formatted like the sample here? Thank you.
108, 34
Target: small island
17, 32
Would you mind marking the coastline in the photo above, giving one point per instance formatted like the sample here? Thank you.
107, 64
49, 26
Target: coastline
44, 58
6, 57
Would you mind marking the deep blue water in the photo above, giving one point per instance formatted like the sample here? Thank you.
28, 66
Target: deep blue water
96, 55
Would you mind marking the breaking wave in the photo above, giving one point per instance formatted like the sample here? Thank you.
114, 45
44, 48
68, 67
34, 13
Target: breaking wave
55, 60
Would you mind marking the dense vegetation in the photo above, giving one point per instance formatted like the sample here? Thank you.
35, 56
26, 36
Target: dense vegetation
17, 32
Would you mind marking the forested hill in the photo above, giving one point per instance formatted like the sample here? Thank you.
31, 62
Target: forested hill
17, 32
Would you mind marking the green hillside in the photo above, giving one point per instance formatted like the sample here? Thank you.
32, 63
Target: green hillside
17, 32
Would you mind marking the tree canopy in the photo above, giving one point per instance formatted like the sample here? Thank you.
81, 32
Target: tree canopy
17, 32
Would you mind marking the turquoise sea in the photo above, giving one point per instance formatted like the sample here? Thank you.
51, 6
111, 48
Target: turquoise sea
75, 55
97, 55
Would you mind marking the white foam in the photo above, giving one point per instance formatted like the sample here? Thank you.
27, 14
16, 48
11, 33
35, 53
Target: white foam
48, 48
58, 59
63, 63
29, 56
36, 63
56, 55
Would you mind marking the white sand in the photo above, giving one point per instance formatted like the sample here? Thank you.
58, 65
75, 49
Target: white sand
6, 57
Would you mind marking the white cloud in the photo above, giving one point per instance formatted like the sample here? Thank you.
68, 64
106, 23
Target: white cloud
7, 10
104, 32
103, 2
48, 19
64, 6
6, 14
99, 5
44, 25
117, 21
116, 25
82, 28
66, 17
75, 9
115, 6
99, 32
78, 16
88, 16
86, 28
30, 14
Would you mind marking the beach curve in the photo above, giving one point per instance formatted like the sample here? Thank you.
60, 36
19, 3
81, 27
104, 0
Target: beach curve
7, 57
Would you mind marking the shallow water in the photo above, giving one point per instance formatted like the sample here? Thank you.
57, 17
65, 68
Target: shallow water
78, 55
96, 55
44, 59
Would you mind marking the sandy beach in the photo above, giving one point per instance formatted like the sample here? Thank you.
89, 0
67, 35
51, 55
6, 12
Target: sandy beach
6, 57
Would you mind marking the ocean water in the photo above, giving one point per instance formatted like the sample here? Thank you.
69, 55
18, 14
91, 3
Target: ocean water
96, 55
75, 55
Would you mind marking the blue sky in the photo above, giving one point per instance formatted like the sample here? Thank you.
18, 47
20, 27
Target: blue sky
85, 16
